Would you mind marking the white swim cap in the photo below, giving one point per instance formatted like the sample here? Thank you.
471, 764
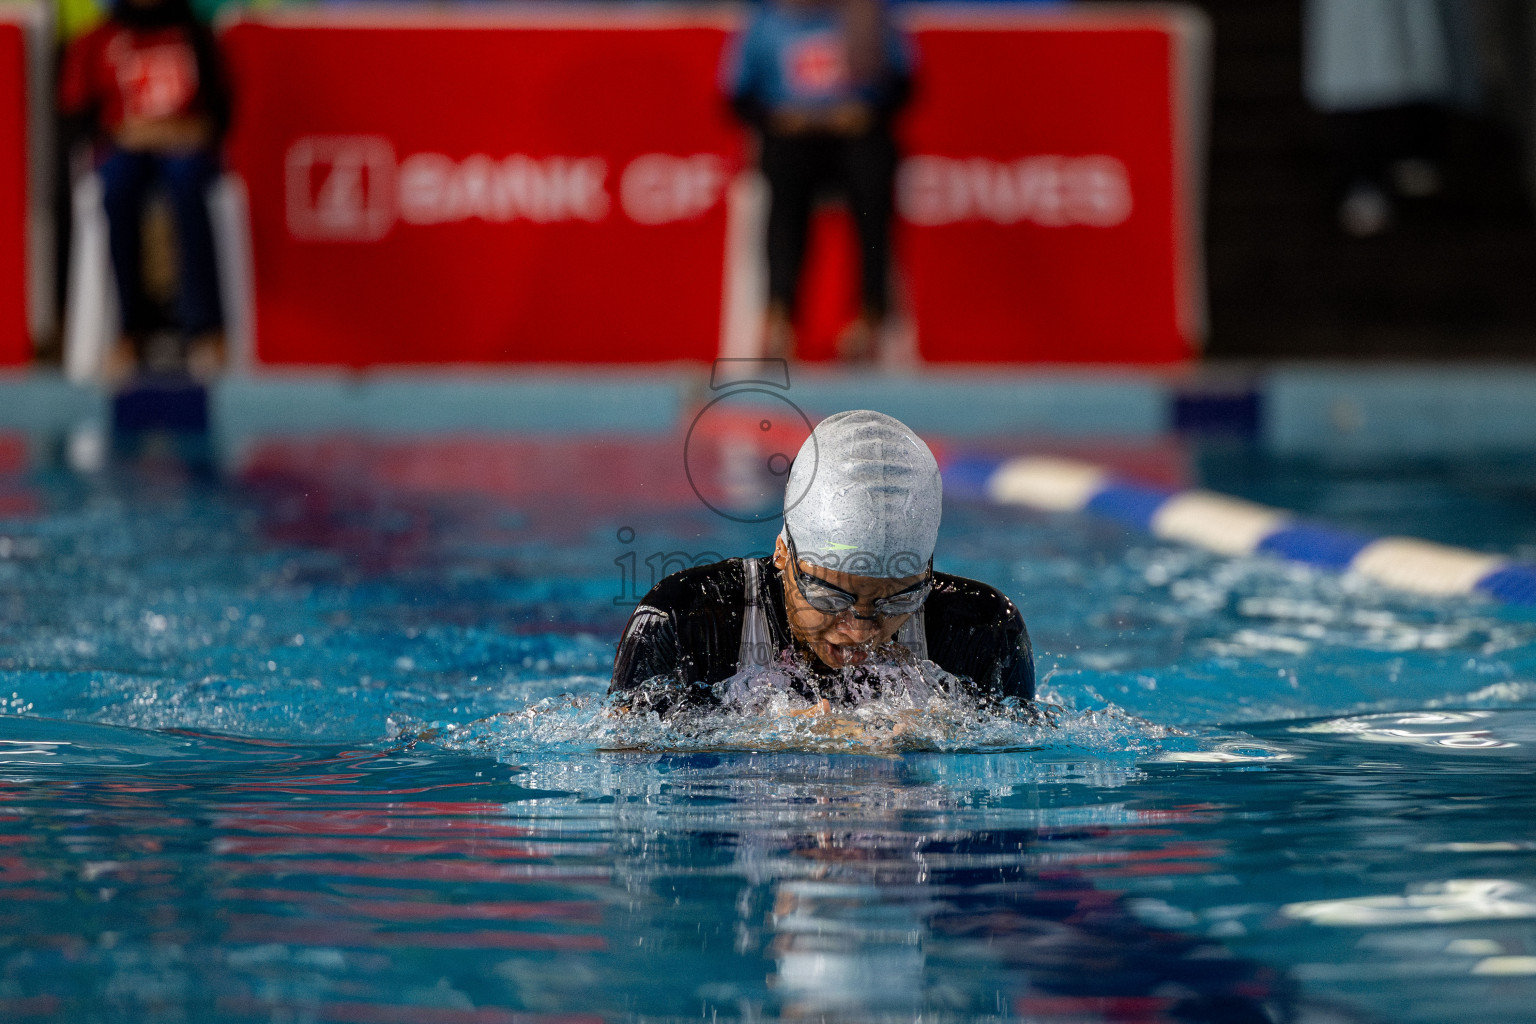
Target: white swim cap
863, 497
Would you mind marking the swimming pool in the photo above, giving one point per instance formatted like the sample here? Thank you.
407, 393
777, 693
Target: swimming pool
229, 789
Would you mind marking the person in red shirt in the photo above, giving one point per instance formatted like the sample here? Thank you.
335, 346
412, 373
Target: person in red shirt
147, 87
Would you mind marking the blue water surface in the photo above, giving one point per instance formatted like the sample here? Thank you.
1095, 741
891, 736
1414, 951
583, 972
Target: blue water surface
245, 771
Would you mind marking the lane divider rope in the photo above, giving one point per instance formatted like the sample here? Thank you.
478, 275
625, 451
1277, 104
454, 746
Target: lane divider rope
1232, 526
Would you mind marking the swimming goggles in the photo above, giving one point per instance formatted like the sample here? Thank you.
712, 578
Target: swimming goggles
833, 600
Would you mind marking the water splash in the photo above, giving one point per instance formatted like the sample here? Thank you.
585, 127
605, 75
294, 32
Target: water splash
885, 707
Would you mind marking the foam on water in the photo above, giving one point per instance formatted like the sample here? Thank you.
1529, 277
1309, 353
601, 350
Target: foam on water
887, 704
782, 722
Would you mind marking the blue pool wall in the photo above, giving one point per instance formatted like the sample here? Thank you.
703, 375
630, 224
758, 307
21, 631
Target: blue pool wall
1305, 409
1338, 412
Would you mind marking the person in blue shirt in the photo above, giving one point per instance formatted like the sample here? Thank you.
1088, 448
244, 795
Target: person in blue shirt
820, 81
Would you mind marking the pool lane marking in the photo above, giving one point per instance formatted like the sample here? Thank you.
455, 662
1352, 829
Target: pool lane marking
1230, 526
1058, 485
1233, 526
1424, 568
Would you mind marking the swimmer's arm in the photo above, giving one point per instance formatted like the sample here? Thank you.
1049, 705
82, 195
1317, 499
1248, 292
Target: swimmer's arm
995, 654
1016, 671
648, 648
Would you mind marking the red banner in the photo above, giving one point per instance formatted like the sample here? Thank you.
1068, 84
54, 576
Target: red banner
538, 188
15, 344
1042, 197
483, 193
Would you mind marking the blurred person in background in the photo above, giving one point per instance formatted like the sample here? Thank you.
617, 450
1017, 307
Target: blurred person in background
147, 88
71, 20
820, 81
1384, 71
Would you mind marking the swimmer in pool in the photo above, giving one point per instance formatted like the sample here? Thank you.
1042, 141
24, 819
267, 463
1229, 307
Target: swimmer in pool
850, 582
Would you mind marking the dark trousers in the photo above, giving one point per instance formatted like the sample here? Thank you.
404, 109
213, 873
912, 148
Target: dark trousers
127, 178
801, 167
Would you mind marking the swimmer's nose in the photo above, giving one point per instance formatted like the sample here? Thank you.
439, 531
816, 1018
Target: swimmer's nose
859, 629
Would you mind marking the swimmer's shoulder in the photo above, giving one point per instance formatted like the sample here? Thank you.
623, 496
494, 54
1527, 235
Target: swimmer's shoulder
687, 628
702, 586
975, 631
972, 601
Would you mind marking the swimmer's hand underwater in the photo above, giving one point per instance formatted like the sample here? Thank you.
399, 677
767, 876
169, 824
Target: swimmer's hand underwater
830, 725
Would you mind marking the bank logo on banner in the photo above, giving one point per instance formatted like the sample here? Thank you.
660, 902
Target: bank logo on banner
661, 189
352, 188
1049, 191
437, 189
340, 187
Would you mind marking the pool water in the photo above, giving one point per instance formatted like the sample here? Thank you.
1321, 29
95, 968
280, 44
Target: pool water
246, 772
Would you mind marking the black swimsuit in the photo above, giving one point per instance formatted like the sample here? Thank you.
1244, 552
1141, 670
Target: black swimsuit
688, 631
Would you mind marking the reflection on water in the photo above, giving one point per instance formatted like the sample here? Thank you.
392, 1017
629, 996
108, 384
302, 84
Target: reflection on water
870, 921
1452, 730
1462, 899
176, 876
181, 876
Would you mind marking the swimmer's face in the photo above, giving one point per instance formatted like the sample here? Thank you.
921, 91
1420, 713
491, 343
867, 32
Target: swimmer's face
842, 639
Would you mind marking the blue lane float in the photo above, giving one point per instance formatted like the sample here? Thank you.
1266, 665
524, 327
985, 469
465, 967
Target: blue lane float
1232, 526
